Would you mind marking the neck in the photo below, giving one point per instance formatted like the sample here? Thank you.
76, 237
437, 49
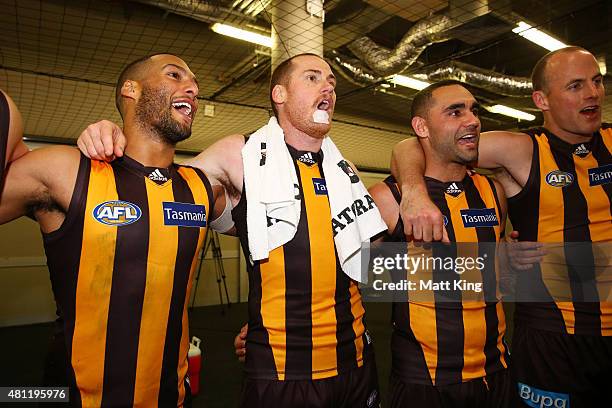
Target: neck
298, 139
564, 135
443, 170
146, 146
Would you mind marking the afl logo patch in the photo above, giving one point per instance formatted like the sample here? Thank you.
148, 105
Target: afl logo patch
117, 213
558, 178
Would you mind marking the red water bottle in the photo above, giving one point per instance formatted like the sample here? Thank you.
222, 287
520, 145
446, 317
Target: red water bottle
195, 363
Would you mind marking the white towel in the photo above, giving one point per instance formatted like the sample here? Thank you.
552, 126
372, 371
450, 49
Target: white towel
272, 191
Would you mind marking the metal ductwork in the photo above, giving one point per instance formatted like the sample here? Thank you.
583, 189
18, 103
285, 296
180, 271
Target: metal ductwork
354, 71
351, 69
387, 62
199, 10
481, 78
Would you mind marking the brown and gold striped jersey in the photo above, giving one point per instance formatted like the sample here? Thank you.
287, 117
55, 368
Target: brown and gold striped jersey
446, 336
306, 319
121, 267
567, 199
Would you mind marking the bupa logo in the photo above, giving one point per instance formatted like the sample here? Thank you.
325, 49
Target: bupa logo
558, 178
537, 398
117, 213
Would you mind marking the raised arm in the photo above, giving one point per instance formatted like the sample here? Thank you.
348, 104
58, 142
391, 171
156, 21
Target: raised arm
40, 184
11, 133
422, 219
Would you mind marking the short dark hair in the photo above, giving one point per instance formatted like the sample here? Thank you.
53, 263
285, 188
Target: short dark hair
422, 100
134, 71
539, 80
281, 74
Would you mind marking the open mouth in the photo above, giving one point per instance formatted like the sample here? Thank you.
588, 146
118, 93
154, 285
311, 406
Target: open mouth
184, 108
468, 139
590, 110
324, 105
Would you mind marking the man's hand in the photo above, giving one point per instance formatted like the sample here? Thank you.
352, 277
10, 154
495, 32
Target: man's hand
523, 255
240, 343
102, 141
422, 220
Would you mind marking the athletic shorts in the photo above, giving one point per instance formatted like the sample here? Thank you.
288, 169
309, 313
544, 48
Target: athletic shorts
496, 390
357, 388
562, 370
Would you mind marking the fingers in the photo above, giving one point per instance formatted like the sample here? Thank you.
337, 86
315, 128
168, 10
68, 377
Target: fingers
240, 343
445, 238
102, 141
425, 226
119, 140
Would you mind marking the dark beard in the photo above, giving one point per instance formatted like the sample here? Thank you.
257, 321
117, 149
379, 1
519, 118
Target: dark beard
153, 112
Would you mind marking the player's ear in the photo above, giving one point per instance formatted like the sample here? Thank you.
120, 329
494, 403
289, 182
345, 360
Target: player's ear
540, 100
131, 89
419, 125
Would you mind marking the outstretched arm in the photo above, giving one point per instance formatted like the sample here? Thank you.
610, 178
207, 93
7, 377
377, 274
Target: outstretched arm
422, 219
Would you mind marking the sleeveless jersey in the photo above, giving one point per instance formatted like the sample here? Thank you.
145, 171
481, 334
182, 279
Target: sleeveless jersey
567, 199
121, 266
443, 342
306, 319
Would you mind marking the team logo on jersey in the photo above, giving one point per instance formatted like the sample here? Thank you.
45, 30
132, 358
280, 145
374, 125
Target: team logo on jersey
184, 214
558, 178
582, 150
537, 398
479, 217
343, 164
454, 189
307, 158
262, 150
157, 176
116, 213
320, 188
600, 175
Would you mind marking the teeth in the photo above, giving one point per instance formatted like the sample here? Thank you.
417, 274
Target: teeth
179, 105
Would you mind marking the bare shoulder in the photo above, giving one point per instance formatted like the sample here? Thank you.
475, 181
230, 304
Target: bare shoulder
386, 203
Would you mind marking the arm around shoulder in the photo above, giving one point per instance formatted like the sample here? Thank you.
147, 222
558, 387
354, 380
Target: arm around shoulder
222, 163
500, 148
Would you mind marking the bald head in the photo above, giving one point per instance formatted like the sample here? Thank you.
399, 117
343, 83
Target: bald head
541, 70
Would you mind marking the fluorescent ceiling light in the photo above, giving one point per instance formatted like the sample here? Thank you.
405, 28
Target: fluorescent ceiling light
601, 61
241, 34
408, 82
508, 111
538, 37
